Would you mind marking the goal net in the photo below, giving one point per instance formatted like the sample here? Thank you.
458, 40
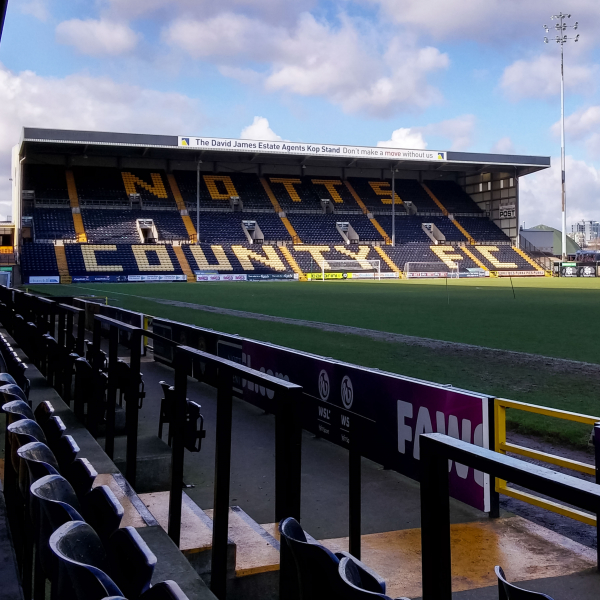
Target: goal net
349, 269
414, 270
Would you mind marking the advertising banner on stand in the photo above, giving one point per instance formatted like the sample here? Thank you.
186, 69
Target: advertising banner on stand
45, 279
385, 411
217, 277
389, 411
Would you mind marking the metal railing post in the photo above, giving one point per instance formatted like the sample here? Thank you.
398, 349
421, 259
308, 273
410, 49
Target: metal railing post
111, 392
62, 317
94, 412
218, 583
288, 456
354, 492
597, 464
435, 524
182, 363
131, 410
80, 332
494, 494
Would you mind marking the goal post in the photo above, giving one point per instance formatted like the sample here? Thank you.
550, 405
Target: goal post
351, 269
430, 270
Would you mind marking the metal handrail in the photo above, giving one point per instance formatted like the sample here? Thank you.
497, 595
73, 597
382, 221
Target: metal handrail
436, 450
288, 447
502, 446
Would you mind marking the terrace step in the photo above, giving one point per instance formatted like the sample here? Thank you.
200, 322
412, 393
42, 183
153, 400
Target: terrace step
183, 263
253, 551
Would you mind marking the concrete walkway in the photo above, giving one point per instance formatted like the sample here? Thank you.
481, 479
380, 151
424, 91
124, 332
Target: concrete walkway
543, 560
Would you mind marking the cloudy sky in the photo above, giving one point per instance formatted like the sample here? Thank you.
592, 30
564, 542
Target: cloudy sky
469, 75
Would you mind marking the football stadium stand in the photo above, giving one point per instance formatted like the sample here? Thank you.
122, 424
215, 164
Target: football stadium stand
132, 218
110, 214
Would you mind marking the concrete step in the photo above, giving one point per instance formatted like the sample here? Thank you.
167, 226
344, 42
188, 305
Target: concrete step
196, 531
257, 551
253, 557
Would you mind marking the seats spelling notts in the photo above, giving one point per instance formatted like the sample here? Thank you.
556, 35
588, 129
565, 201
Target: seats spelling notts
123, 224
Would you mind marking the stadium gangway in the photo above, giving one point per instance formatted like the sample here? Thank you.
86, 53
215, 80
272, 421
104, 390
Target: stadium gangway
220, 373
436, 450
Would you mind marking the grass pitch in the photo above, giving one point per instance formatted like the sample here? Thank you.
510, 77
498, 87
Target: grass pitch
547, 316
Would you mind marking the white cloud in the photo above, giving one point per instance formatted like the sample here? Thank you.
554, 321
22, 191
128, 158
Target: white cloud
504, 146
259, 130
459, 131
485, 20
37, 9
540, 194
344, 64
97, 37
270, 11
583, 126
405, 137
87, 103
540, 77
225, 35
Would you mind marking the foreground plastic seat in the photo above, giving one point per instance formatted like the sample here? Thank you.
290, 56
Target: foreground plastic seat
37, 461
66, 451
57, 504
508, 591
358, 583
10, 389
165, 590
132, 562
7, 378
102, 511
317, 567
81, 475
43, 412
83, 563
16, 410
20, 433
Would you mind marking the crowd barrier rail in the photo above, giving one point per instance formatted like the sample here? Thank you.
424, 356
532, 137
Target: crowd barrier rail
502, 447
436, 450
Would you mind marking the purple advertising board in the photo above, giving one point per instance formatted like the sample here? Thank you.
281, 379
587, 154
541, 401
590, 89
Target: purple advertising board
344, 403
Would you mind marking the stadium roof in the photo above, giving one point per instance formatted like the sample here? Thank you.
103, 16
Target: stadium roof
3, 7
190, 148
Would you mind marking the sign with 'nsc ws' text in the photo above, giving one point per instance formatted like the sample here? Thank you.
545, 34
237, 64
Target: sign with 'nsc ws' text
302, 149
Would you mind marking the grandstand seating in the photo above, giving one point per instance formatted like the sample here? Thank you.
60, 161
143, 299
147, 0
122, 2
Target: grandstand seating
452, 196
119, 226
483, 230
96, 185
236, 258
121, 259
216, 189
304, 194
322, 229
309, 257
408, 228
48, 181
450, 231
377, 194
53, 224
38, 259
227, 226
114, 245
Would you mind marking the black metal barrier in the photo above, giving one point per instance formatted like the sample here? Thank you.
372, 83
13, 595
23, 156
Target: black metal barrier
436, 450
120, 333
288, 454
